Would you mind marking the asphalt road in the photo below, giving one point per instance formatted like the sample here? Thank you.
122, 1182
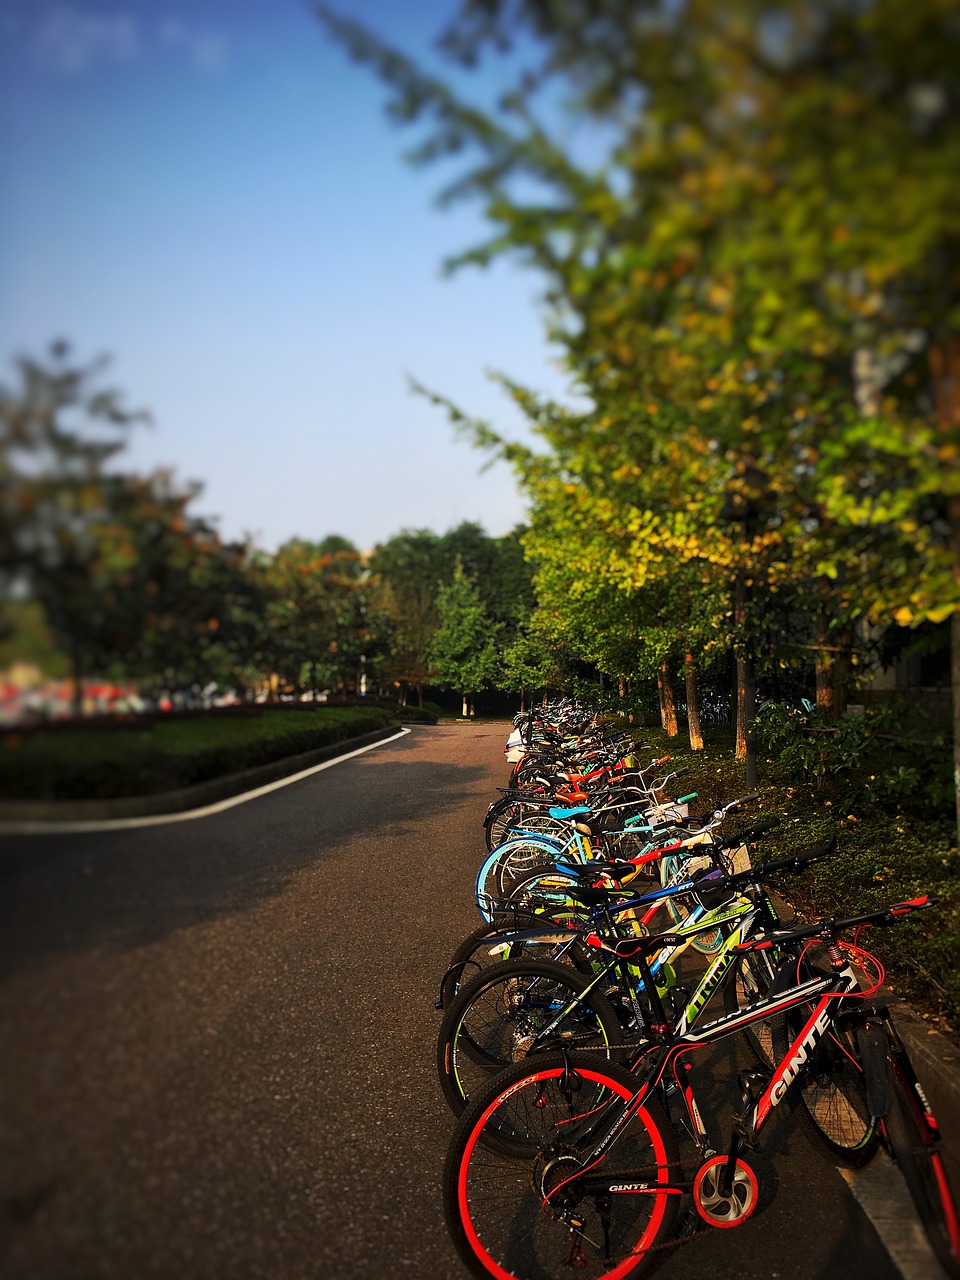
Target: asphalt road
218, 1044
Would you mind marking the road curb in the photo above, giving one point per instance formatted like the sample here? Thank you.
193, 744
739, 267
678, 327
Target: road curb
183, 799
937, 1064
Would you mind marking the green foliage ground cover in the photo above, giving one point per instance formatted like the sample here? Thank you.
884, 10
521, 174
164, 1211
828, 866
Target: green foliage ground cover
146, 759
889, 847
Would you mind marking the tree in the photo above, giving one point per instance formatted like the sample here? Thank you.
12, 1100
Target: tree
406, 571
324, 620
764, 263
107, 555
463, 652
529, 660
409, 570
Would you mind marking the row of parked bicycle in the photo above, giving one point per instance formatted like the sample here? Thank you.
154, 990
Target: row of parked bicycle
611, 920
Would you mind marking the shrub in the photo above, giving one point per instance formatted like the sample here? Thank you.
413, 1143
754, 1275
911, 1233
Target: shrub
146, 760
417, 715
866, 759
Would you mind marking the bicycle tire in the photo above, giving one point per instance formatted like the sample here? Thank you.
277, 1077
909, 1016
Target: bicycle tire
488, 885
493, 1200
501, 814
474, 954
913, 1146
525, 859
512, 816
496, 1018
830, 1090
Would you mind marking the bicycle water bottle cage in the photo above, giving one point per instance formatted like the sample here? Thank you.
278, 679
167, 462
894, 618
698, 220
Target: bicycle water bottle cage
558, 812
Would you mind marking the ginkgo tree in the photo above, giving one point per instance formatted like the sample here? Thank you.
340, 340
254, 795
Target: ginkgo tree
763, 260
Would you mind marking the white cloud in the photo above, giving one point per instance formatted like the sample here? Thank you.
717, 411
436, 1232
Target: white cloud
69, 41
207, 50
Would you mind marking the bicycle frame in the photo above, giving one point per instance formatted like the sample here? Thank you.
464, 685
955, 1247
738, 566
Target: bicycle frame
843, 982
743, 911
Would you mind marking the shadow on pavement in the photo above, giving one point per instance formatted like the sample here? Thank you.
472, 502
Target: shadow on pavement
125, 889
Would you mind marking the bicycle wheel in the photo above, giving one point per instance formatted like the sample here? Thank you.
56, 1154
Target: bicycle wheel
913, 1144
540, 1215
486, 946
534, 851
749, 980
500, 1016
830, 1089
503, 813
546, 888
515, 815
522, 859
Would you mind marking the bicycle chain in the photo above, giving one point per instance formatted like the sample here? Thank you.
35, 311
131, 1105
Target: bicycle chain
691, 1230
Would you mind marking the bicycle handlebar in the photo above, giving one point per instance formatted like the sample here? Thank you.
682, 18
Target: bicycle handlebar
749, 834
828, 929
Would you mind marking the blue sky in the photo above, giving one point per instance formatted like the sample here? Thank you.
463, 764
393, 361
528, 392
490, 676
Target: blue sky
209, 191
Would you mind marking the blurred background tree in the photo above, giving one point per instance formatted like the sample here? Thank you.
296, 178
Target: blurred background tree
745, 223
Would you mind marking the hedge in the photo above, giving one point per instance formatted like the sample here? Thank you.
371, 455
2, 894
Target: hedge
92, 763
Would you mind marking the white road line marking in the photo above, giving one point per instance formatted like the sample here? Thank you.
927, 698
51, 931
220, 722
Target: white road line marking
882, 1194
35, 827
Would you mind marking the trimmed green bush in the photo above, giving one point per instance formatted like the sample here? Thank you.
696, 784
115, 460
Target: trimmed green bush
92, 763
417, 715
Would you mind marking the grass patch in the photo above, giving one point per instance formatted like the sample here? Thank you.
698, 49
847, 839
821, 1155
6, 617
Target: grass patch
885, 853
147, 759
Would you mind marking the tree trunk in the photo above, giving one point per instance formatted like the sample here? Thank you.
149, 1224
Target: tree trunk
623, 687
953, 514
746, 749
668, 702
823, 665
749, 716
420, 696
841, 673
693, 704
77, 665
944, 363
